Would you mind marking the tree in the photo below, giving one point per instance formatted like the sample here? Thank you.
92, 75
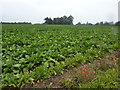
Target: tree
57, 21
62, 20
97, 23
101, 23
117, 23
79, 23
70, 19
48, 20
88, 23
106, 23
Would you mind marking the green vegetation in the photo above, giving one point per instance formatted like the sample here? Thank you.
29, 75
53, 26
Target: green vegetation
95, 75
36, 52
101, 79
107, 79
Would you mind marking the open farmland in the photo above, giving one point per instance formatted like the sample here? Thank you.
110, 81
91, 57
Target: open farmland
33, 53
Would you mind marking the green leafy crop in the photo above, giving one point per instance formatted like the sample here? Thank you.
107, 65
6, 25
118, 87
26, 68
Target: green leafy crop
36, 52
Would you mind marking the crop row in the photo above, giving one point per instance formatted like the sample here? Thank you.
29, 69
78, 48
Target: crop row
36, 52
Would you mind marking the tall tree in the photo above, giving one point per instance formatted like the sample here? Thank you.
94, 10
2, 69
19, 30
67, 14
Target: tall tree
48, 20
70, 19
64, 19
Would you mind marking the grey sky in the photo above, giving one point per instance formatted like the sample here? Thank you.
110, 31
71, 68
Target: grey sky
82, 10
119, 10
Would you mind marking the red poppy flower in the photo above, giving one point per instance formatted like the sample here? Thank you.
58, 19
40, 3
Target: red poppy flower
114, 60
84, 69
81, 71
86, 75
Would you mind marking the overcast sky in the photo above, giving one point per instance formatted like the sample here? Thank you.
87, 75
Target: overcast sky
82, 10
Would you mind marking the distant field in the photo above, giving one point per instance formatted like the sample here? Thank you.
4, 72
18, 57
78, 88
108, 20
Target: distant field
37, 52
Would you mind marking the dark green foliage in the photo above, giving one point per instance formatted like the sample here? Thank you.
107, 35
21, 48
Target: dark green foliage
62, 20
117, 23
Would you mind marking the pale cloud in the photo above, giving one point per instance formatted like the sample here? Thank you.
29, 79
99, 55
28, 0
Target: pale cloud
82, 10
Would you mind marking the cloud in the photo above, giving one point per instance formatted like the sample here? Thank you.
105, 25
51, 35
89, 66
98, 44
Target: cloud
37, 10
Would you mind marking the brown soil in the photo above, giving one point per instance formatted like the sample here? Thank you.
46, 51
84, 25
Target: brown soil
55, 81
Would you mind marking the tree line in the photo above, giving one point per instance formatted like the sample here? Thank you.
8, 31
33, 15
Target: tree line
15, 23
60, 20
65, 21
101, 23
69, 21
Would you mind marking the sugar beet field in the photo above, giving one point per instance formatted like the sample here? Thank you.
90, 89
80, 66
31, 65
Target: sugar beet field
34, 53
